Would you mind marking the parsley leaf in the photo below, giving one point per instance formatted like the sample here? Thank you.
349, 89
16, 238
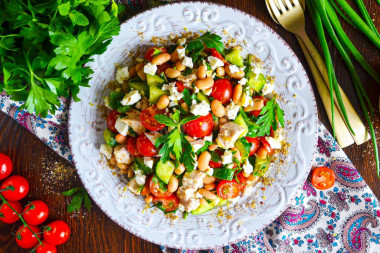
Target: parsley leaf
209, 40
80, 195
164, 119
267, 118
187, 97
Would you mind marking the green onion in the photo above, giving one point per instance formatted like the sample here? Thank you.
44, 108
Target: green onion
348, 44
366, 16
360, 24
343, 15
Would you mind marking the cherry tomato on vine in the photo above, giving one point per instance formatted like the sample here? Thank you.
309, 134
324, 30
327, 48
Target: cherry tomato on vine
153, 51
222, 90
145, 147
322, 178
168, 204
7, 215
46, 248
131, 146
200, 127
25, 238
157, 190
56, 232
148, 120
111, 120
19, 188
228, 189
36, 212
5, 166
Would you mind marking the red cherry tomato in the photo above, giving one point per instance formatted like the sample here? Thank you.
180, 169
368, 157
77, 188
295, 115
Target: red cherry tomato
156, 190
57, 232
322, 178
25, 238
150, 53
219, 163
228, 189
180, 86
36, 212
222, 90
111, 120
7, 215
5, 166
161, 68
242, 180
20, 188
148, 120
145, 147
200, 127
131, 146
255, 144
169, 204
216, 54
267, 145
46, 248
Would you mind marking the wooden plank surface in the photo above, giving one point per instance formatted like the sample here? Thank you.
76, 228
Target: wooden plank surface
49, 174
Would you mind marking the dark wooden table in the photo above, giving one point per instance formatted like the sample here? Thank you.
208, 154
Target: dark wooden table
93, 231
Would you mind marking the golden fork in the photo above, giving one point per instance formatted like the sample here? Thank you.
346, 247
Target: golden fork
291, 17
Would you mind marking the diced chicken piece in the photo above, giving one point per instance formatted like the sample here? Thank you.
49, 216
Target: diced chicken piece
133, 120
152, 136
228, 135
193, 180
121, 127
122, 155
134, 187
184, 193
191, 205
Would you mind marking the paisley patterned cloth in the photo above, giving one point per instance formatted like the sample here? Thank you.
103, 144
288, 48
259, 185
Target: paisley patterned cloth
344, 218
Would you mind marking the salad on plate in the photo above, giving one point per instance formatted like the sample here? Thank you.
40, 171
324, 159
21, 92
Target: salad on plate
192, 125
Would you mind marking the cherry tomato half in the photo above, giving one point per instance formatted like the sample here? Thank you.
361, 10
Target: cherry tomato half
7, 215
228, 189
219, 163
322, 178
145, 147
157, 190
255, 144
25, 238
180, 86
200, 127
242, 180
222, 90
216, 54
36, 212
153, 51
131, 146
169, 204
148, 120
20, 188
161, 68
267, 145
46, 248
5, 166
57, 232
111, 120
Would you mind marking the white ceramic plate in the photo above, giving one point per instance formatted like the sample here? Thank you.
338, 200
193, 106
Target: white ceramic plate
238, 220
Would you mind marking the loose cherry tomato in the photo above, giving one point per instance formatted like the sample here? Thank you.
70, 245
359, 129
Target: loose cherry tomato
57, 232
5, 166
322, 178
157, 190
7, 215
46, 248
222, 90
19, 188
216, 54
180, 86
219, 163
169, 204
267, 146
145, 147
148, 120
153, 51
131, 146
161, 68
111, 120
200, 127
36, 212
255, 144
228, 189
25, 238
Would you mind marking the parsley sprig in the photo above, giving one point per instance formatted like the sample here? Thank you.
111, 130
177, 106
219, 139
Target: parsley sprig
267, 118
80, 196
174, 142
209, 40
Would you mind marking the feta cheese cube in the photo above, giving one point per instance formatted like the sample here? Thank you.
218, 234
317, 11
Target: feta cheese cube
150, 69
209, 171
243, 81
234, 68
227, 157
149, 161
232, 110
228, 135
122, 74
195, 90
247, 167
215, 62
121, 127
140, 177
207, 92
197, 144
208, 138
257, 71
107, 102
181, 54
202, 109
152, 136
181, 208
268, 88
274, 144
131, 98
122, 155
106, 150
188, 62
175, 95
246, 99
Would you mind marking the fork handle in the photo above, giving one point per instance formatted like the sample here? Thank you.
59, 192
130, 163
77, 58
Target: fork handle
361, 135
343, 135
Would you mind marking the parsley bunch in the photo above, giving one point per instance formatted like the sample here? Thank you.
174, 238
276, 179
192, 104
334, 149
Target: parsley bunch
174, 142
44, 46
